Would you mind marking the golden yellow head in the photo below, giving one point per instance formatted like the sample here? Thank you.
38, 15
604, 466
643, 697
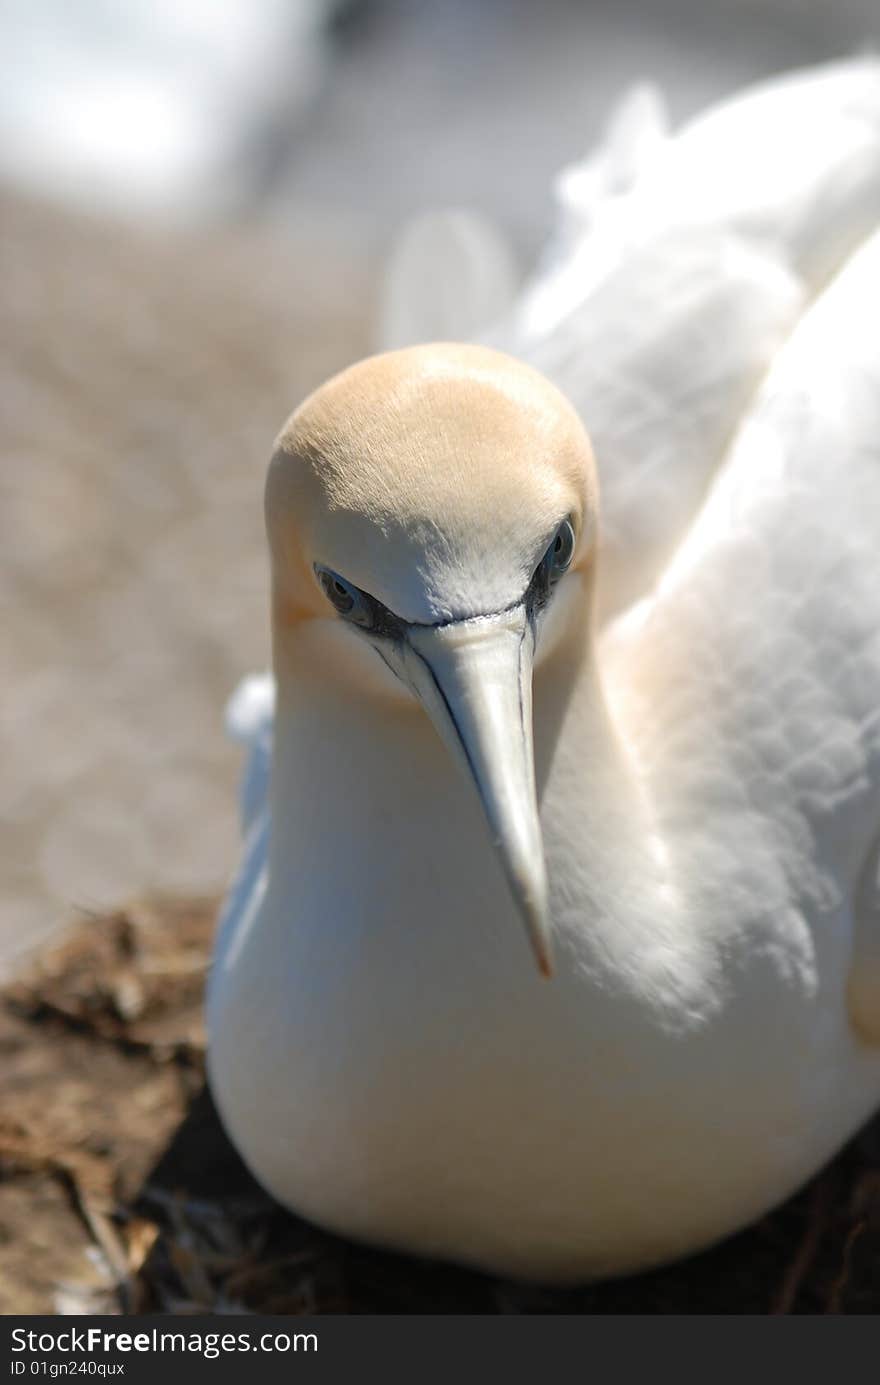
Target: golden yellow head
433, 478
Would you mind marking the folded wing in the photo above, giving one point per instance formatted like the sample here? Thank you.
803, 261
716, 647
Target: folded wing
750, 682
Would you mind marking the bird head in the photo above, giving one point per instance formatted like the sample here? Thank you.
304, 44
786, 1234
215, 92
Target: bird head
438, 505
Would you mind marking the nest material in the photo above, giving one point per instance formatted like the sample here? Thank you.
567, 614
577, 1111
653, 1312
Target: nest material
120, 1193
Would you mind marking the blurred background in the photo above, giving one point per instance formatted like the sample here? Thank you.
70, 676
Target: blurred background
195, 203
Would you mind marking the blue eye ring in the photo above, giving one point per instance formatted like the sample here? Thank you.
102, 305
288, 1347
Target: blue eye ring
560, 552
357, 607
346, 599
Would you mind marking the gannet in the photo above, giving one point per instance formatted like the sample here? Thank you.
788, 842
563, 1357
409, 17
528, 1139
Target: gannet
555, 949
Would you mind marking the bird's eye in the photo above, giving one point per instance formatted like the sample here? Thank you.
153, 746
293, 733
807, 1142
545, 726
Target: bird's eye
561, 551
348, 600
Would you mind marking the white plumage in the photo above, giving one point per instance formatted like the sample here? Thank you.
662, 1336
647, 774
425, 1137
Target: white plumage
708, 763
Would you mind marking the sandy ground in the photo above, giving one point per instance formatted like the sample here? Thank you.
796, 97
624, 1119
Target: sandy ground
142, 380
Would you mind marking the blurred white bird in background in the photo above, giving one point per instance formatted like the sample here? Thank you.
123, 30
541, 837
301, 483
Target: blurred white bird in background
694, 842
157, 105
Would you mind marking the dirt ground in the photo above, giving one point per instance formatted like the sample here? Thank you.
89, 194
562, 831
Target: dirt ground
120, 1193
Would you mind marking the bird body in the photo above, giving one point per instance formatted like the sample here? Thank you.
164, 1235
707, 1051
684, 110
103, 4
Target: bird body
684, 803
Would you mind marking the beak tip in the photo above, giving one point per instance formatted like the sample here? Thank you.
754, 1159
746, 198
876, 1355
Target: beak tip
545, 967
542, 944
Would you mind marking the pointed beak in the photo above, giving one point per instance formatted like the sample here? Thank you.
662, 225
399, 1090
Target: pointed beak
474, 678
